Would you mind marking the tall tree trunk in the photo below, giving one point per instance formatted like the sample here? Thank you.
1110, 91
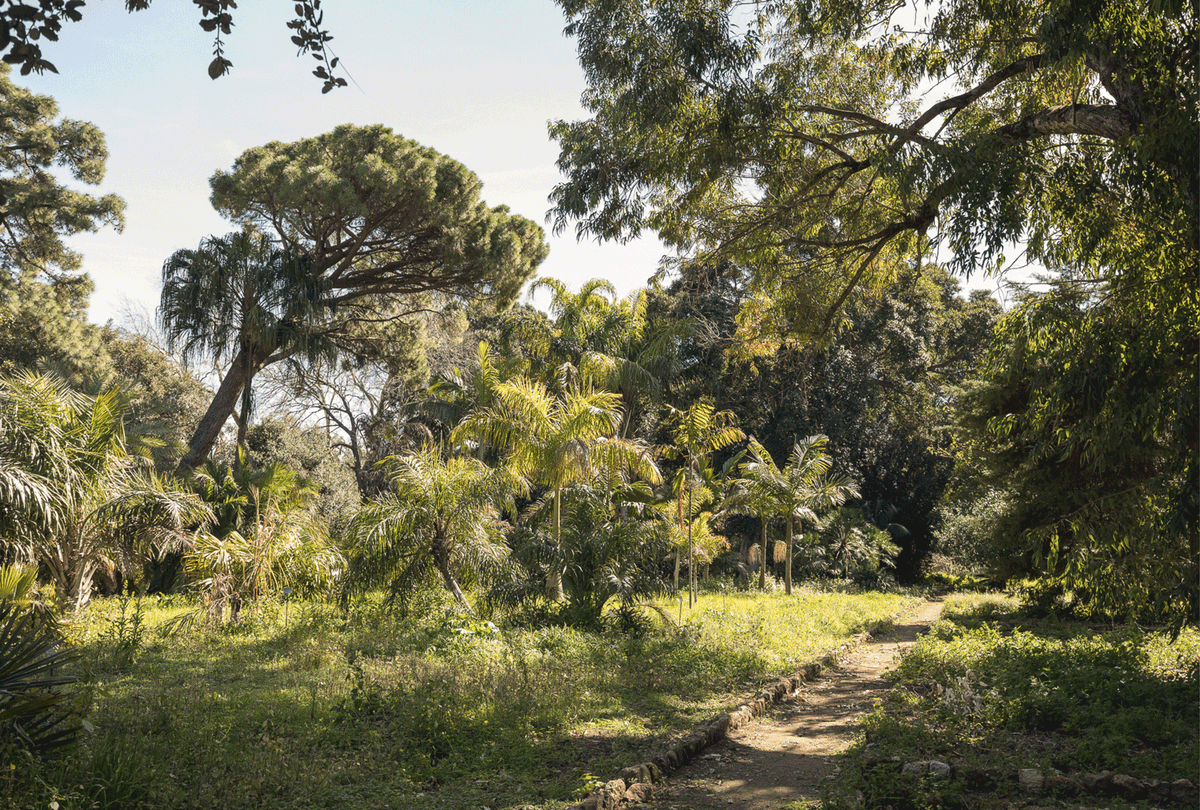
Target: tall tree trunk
554, 584
691, 561
218, 412
762, 554
787, 565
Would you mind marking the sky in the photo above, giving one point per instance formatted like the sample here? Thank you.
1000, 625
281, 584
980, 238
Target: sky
477, 81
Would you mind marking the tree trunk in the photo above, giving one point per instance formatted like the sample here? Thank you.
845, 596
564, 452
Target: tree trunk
441, 559
218, 412
554, 585
762, 555
787, 565
691, 566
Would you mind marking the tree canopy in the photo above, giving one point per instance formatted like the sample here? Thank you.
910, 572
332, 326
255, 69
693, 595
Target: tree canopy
37, 211
804, 138
25, 27
371, 221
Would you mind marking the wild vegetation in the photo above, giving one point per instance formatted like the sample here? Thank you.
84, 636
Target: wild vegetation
436, 707
995, 689
439, 539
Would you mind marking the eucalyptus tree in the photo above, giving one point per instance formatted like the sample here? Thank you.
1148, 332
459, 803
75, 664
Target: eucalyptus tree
800, 490
366, 222
440, 513
801, 136
28, 27
557, 441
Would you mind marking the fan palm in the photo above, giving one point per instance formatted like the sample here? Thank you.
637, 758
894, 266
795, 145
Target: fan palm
800, 489
32, 713
439, 513
557, 442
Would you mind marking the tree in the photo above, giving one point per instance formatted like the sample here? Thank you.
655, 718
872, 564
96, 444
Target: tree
1087, 422
25, 27
799, 489
264, 534
36, 210
371, 218
598, 338
162, 399
75, 496
44, 326
699, 431
882, 387
440, 513
801, 138
557, 442
240, 301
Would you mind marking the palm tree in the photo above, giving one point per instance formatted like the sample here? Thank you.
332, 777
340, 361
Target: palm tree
238, 300
440, 513
264, 535
557, 441
699, 432
85, 495
607, 342
800, 490
752, 495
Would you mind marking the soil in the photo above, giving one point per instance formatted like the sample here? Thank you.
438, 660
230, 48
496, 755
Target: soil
787, 755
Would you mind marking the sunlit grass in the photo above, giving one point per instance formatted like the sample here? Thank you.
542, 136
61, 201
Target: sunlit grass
303, 705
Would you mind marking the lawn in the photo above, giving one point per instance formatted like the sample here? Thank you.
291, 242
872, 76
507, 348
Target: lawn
308, 706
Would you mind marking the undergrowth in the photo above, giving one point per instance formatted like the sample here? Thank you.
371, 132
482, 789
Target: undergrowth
309, 705
990, 690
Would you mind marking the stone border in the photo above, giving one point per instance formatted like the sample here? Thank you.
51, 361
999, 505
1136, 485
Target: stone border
636, 784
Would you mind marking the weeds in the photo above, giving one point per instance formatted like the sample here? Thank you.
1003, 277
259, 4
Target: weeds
990, 697
359, 706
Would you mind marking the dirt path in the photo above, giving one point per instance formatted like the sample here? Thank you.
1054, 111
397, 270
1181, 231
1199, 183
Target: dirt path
787, 754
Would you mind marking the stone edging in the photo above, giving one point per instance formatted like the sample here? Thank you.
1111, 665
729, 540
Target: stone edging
636, 784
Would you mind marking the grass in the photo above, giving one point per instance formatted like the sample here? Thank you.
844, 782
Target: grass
991, 690
305, 706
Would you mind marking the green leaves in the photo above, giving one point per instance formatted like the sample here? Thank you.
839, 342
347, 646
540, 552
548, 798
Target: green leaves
32, 713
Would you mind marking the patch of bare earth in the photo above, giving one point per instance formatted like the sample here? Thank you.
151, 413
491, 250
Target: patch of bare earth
787, 755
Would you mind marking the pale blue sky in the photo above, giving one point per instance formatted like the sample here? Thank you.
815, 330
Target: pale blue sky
477, 81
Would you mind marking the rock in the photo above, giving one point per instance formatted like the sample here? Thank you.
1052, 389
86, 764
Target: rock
915, 768
646, 772
639, 792
1127, 787
1062, 785
939, 769
1182, 790
1157, 791
1097, 782
1030, 780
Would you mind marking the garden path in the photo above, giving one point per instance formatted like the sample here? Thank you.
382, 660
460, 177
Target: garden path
786, 755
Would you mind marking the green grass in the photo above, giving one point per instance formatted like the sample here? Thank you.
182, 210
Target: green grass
310, 707
990, 690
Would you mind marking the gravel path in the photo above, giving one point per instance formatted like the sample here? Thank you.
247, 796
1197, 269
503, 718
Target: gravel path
786, 755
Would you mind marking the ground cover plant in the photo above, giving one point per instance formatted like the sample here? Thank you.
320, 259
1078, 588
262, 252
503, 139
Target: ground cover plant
992, 690
308, 705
